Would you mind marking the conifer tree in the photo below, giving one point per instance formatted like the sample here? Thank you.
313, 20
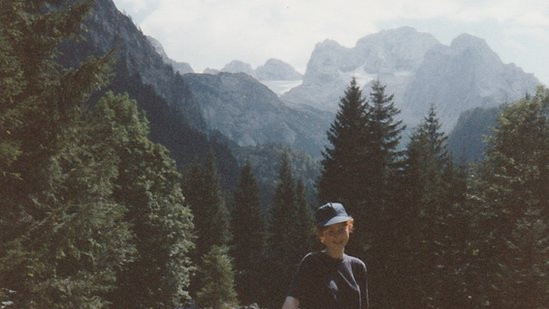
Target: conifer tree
374, 232
284, 237
211, 216
217, 274
509, 204
342, 178
306, 229
249, 239
148, 184
428, 229
62, 238
212, 222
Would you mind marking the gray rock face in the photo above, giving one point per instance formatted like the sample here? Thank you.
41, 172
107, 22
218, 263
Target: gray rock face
275, 69
181, 67
418, 70
107, 28
250, 114
462, 76
237, 66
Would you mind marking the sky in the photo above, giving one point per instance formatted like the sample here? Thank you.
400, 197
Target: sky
211, 33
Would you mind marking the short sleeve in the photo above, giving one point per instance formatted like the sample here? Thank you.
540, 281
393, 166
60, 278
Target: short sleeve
300, 285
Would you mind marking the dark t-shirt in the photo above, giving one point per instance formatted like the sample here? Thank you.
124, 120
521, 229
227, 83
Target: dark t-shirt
323, 282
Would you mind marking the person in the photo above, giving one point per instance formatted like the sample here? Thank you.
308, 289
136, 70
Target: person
330, 279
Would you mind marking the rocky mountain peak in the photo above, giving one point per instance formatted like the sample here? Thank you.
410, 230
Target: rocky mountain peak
275, 69
181, 67
466, 40
237, 66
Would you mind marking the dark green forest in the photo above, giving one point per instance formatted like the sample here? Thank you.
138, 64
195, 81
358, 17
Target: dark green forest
94, 214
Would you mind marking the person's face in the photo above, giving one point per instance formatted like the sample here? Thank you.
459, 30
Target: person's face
335, 236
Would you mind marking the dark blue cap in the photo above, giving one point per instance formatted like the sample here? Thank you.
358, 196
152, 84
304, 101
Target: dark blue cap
331, 213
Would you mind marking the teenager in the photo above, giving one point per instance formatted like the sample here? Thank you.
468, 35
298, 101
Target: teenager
330, 279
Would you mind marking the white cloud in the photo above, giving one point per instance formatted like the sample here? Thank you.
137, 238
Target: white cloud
210, 33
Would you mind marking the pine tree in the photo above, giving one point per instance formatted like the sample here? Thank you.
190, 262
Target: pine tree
373, 239
430, 228
342, 177
61, 235
148, 184
306, 230
212, 222
211, 216
284, 234
217, 274
509, 202
249, 241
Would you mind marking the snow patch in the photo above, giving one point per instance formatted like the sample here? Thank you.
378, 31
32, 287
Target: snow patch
281, 86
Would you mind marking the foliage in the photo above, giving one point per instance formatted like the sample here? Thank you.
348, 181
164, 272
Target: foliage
148, 184
217, 292
212, 222
62, 236
509, 200
289, 228
249, 228
430, 227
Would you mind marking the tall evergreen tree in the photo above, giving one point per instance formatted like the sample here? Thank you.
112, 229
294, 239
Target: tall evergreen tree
284, 234
342, 178
306, 230
212, 222
217, 274
374, 233
249, 239
429, 230
62, 238
211, 216
148, 184
509, 204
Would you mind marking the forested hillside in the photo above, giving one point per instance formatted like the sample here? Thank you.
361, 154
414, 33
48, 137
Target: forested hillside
96, 214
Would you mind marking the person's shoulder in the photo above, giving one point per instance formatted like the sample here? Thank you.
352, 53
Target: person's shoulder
312, 255
355, 261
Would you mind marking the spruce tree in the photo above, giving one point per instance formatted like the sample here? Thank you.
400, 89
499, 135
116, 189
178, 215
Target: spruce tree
509, 203
306, 230
249, 239
342, 177
212, 222
148, 184
62, 238
284, 237
429, 228
216, 272
374, 237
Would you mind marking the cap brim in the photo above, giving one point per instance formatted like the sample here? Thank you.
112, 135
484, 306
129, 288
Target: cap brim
334, 220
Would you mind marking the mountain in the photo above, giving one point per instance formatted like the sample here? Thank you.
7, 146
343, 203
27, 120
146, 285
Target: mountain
462, 76
237, 66
275, 69
175, 117
193, 114
418, 69
250, 114
467, 140
181, 67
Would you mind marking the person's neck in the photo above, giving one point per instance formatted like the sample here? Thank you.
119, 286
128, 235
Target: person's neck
334, 253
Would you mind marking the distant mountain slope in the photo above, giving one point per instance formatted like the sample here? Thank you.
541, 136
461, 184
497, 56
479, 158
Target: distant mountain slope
418, 70
175, 119
180, 67
250, 114
467, 141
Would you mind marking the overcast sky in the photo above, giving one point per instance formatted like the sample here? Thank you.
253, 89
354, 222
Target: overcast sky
211, 33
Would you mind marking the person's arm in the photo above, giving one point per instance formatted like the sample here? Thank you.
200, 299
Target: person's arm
290, 303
